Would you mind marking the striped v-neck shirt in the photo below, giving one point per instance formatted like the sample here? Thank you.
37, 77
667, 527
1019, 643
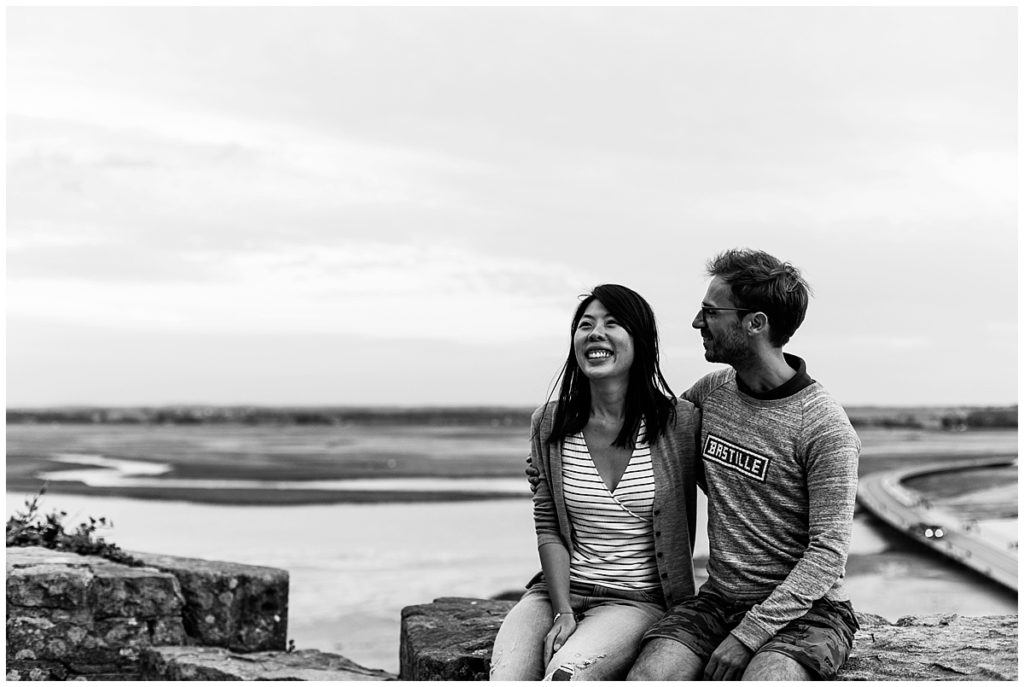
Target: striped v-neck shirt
613, 543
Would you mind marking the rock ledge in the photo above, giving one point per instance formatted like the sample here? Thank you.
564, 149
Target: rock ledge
451, 639
84, 617
216, 663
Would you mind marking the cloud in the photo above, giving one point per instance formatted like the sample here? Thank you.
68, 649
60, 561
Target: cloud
1006, 327
367, 289
453, 175
141, 169
914, 185
833, 345
48, 235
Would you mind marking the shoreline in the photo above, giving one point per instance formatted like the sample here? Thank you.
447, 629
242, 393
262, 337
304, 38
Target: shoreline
309, 458
295, 495
253, 497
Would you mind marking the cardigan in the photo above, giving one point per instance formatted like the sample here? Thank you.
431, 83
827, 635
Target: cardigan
674, 458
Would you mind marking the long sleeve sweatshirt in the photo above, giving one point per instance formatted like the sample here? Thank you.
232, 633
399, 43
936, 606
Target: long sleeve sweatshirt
781, 481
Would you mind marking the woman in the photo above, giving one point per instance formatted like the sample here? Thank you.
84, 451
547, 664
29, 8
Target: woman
615, 506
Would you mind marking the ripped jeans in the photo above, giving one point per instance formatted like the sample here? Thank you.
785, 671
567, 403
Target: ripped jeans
603, 647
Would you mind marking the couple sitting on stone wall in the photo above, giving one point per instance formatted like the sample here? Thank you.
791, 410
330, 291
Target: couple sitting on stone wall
615, 463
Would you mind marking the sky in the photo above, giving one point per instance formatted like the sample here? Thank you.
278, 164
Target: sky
402, 206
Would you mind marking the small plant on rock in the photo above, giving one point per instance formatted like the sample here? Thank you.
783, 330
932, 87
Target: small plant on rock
29, 527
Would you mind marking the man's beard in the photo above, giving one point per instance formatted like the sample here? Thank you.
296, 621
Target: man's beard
728, 349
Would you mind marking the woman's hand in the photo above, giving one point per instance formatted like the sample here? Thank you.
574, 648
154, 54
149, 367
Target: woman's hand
563, 628
532, 474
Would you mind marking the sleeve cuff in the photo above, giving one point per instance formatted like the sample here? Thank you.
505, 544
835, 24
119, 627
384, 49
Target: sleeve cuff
752, 635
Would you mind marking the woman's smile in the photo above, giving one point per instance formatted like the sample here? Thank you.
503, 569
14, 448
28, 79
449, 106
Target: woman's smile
604, 348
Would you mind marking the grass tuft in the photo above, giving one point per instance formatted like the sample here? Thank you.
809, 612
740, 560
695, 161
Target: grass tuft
29, 527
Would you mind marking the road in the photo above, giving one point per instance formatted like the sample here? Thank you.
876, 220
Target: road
885, 496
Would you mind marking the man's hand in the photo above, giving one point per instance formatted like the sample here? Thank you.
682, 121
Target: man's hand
729, 660
560, 631
532, 474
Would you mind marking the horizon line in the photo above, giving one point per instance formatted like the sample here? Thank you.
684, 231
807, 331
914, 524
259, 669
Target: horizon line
414, 406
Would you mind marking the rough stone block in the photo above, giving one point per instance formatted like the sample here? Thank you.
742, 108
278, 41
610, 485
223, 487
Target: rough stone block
452, 638
239, 607
71, 615
40, 585
216, 663
934, 647
134, 592
35, 671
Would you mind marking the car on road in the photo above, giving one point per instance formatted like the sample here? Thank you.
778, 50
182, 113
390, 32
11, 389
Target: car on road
928, 531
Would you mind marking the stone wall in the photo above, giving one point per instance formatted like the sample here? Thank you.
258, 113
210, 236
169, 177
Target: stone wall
70, 615
238, 607
84, 617
451, 639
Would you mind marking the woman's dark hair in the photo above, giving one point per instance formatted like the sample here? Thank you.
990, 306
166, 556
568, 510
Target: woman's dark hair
648, 395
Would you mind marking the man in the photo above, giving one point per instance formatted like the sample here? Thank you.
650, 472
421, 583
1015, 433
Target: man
780, 461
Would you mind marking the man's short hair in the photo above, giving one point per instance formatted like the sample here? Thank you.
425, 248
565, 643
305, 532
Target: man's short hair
762, 282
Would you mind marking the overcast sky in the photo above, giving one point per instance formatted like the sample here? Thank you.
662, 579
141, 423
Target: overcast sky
345, 205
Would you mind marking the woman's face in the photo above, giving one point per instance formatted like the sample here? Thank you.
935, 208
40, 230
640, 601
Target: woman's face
603, 347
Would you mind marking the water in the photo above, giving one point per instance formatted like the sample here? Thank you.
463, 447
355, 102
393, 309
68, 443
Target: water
118, 472
354, 566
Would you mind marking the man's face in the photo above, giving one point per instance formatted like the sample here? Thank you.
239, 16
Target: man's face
722, 330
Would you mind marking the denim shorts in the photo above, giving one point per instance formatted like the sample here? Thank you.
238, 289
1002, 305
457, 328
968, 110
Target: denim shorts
820, 640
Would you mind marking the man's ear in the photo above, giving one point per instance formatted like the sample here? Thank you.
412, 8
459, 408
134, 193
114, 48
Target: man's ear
757, 323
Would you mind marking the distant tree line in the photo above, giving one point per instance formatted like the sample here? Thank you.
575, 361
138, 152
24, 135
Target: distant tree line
253, 415
993, 417
951, 419
957, 419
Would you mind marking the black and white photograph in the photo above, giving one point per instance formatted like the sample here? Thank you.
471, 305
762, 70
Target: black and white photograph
511, 342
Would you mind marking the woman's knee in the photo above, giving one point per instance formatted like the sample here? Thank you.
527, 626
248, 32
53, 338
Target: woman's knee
510, 665
517, 655
586, 666
518, 652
